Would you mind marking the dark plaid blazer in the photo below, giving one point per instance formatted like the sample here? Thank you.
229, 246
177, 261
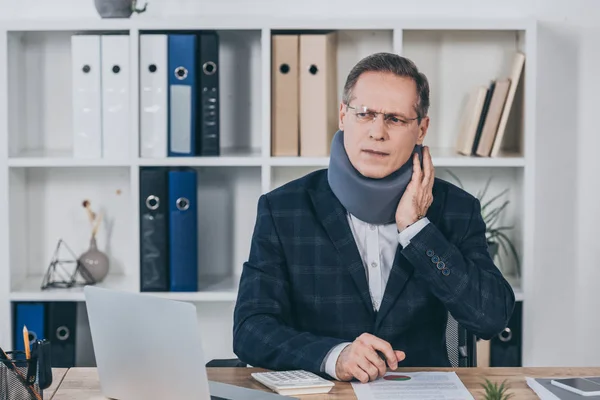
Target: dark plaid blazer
304, 288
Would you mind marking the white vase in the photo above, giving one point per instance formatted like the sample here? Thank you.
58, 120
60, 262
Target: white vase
117, 8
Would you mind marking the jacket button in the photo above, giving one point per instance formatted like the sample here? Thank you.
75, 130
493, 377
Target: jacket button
430, 253
446, 271
441, 265
435, 259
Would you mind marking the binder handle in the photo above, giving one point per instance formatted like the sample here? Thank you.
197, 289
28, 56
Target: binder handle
181, 73
284, 68
63, 332
152, 202
182, 204
209, 67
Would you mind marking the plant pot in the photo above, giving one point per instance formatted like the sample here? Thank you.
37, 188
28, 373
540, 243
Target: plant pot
493, 249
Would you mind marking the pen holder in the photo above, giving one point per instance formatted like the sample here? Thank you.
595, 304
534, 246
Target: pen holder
19, 377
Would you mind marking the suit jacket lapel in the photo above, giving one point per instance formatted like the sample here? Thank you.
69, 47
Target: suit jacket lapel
402, 269
333, 217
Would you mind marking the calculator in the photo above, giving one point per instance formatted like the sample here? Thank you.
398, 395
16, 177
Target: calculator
297, 382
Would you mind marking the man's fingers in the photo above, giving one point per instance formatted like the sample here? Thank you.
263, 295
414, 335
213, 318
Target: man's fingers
386, 349
400, 355
368, 367
374, 359
427, 166
417, 173
359, 374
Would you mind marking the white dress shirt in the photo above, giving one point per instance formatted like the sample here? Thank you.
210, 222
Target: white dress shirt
377, 245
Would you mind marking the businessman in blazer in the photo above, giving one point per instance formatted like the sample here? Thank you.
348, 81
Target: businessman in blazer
370, 254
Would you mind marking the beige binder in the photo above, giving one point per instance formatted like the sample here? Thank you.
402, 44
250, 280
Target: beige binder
495, 111
515, 76
469, 120
284, 95
318, 93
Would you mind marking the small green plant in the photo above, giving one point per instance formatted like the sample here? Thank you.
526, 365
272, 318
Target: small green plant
491, 211
493, 391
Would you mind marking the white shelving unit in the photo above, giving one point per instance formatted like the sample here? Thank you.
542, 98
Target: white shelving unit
42, 186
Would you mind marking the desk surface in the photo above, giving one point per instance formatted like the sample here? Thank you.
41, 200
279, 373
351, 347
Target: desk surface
82, 383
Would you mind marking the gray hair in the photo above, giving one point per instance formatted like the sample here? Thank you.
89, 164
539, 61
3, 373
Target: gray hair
397, 65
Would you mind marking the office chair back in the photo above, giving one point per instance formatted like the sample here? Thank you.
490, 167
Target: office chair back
461, 345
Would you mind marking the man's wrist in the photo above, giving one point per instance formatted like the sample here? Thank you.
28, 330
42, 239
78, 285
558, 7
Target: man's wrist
403, 224
406, 235
332, 358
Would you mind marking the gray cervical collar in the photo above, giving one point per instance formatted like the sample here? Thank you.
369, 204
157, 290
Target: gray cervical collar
371, 200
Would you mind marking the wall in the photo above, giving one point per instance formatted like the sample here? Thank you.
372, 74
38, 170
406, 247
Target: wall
563, 313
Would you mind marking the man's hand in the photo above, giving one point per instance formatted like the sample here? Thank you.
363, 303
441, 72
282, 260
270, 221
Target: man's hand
418, 195
360, 359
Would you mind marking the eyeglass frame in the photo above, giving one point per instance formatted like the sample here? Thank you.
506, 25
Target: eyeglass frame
385, 115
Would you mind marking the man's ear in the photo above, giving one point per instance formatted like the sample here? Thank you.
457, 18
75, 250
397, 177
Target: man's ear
342, 114
423, 126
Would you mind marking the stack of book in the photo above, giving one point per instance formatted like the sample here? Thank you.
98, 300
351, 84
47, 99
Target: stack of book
485, 116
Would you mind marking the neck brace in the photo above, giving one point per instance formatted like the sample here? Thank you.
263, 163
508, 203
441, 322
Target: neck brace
371, 200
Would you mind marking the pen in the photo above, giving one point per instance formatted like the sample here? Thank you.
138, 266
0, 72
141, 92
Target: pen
26, 341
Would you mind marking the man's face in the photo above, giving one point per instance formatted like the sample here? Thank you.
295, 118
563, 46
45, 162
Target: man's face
379, 147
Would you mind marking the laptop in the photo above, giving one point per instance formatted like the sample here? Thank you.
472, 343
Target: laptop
148, 347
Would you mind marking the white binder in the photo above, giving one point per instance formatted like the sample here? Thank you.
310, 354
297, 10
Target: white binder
87, 96
115, 97
153, 95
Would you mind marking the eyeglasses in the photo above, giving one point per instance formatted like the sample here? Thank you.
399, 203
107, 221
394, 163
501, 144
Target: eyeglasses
397, 122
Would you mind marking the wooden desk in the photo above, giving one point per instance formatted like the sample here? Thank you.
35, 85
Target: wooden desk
58, 375
82, 383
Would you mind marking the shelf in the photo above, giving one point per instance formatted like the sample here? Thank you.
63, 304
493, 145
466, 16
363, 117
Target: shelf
228, 157
59, 158
210, 289
442, 157
230, 21
515, 283
28, 289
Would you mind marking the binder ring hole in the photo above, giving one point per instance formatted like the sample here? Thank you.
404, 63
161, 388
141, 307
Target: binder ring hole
152, 202
63, 333
284, 68
209, 68
181, 73
183, 204
86, 69
313, 69
152, 68
116, 69
505, 335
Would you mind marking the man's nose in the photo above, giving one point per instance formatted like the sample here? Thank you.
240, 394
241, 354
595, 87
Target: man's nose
377, 129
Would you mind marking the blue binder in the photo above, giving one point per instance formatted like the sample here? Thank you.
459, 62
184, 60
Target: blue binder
182, 104
183, 231
31, 315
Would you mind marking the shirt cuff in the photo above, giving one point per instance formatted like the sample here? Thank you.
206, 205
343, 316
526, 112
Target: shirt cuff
331, 360
407, 234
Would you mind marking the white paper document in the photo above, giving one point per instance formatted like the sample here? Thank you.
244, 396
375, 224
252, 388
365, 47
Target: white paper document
414, 386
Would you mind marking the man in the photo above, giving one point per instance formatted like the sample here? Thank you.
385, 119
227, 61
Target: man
354, 269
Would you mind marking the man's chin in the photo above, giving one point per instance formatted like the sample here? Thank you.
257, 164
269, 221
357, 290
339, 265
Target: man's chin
373, 172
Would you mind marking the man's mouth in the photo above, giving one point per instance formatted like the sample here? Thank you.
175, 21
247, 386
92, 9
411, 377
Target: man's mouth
375, 152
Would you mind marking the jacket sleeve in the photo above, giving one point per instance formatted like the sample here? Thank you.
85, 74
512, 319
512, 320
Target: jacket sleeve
464, 276
264, 334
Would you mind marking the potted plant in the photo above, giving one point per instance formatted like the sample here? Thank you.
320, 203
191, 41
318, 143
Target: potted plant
493, 391
491, 211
